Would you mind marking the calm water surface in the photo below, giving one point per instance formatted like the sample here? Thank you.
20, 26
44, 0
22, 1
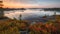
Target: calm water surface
28, 13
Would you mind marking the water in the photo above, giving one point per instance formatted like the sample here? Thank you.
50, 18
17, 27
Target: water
29, 13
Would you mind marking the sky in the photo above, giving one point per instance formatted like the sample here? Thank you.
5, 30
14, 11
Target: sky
31, 3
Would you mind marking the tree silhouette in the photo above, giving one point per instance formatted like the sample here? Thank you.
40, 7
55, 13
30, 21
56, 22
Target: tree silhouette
1, 9
1, 3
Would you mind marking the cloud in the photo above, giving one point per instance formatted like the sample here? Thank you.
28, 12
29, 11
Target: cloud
18, 3
31, 3
22, 1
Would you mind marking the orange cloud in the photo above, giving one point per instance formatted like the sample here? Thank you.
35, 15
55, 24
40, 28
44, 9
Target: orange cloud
17, 5
9, 4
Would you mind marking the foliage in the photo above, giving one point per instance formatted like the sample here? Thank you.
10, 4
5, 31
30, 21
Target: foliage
14, 26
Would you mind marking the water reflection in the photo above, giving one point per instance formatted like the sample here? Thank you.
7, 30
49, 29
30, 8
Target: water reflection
28, 13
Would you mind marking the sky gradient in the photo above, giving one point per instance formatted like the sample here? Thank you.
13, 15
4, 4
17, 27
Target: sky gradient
31, 3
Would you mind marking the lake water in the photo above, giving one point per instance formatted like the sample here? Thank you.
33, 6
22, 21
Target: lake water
29, 13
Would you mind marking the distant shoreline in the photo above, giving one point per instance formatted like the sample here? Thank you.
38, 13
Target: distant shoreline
45, 9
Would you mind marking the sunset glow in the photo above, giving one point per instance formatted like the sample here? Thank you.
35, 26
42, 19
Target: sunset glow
31, 3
